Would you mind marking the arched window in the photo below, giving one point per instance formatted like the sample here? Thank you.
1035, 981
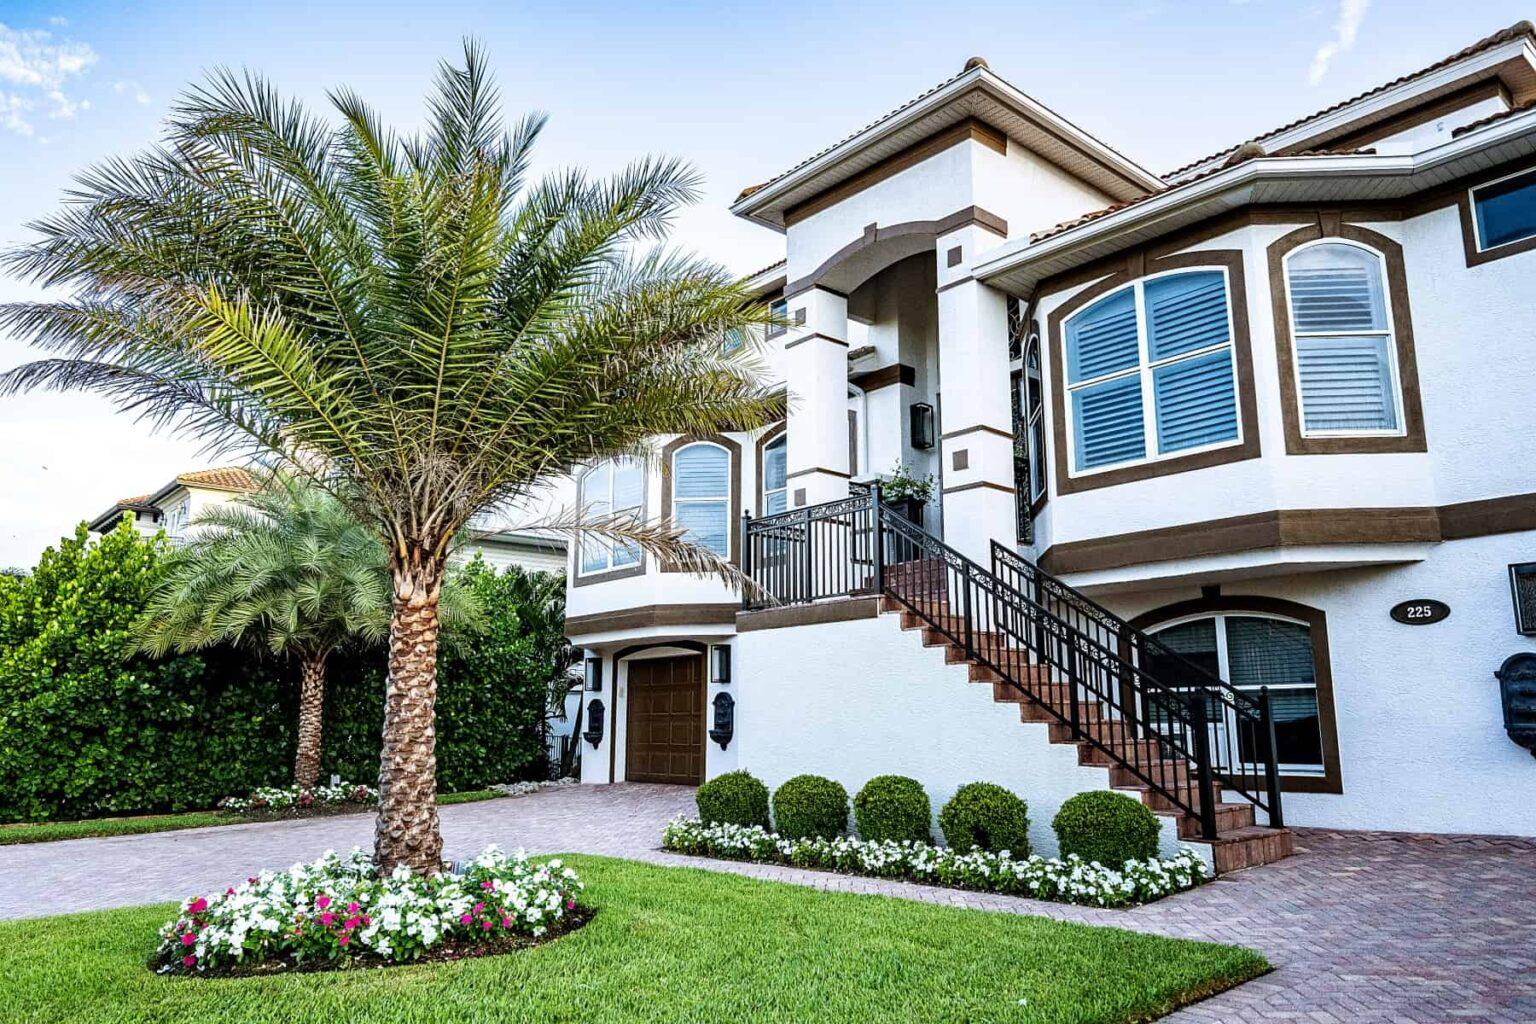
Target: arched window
1150, 372
1346, 373
775, 484
1032, 415
615, 486
1252, 650
701, 495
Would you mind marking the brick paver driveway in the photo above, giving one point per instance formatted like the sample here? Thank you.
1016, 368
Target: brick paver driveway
1362, 929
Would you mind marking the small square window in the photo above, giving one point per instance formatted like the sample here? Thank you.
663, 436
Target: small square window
1505, 211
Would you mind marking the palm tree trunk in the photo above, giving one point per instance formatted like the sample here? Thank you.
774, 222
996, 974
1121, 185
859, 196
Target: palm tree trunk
407, 831
306, 762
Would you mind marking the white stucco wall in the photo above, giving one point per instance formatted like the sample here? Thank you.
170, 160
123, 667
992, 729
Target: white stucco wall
853, 700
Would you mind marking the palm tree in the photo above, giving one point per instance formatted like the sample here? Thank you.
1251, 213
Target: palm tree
286, 569
407, 320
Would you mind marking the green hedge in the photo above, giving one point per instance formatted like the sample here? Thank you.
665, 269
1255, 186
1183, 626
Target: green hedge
1108, 827
735, 798
810, 806
88, 730
893, 807
986, 815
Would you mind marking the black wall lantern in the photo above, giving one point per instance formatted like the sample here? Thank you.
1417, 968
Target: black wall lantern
921, 414
720, 663
1522, 587
1517, 693
594, 733
594, 673
725, 720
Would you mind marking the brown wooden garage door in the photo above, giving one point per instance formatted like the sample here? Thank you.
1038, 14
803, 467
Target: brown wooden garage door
666, 721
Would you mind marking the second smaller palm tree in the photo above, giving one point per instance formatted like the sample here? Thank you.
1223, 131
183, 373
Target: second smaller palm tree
286, 569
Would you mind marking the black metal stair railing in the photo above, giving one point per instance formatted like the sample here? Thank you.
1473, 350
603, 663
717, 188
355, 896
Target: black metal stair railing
1187, 739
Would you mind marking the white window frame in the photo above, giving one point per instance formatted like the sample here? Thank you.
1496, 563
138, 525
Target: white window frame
1477, 228
1401, 430
1145, 370
608, 545
678, 503
1224, 670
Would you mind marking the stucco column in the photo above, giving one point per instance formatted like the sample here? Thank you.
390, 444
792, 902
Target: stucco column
976, 443
816, 375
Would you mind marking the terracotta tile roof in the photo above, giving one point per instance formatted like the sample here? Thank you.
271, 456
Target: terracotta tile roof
226, 478
1515, 31
772, 266
1521, 108
139, 503
1241, 155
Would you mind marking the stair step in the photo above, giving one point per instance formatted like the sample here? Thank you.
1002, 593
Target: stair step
1249, 847
1229, 818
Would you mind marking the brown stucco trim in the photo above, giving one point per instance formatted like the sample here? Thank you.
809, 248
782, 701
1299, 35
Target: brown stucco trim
884, 377
766, 438
818, 469
580, 579
980, 428
956, 283
812, 336
1332, 779
1254, 532
1242, 357
733, 508
1514, 513
1327, 226
976, 484
651, 616
1476, 257
875, 234
808, 614
970, 130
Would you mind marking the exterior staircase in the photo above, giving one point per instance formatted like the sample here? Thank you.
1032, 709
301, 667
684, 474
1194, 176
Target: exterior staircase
1186, 743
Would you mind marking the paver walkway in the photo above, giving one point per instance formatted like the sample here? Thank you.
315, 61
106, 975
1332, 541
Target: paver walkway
1362, 929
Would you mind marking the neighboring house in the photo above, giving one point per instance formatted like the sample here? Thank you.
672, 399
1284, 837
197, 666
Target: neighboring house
1264, 418
177, 505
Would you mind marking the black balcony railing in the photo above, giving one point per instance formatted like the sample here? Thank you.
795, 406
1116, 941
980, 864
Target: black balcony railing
1180, 730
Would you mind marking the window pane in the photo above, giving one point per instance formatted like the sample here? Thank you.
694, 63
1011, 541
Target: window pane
625, 553
595, 485
1102, 338
1298, 736
1268, 652
773, 465
775, 502
1195, 401
1191, 643
1336, 288
1186, 312
704, 523
628, 485
1037, 457
1346, 384
701, 471
1108, 422
1506, 212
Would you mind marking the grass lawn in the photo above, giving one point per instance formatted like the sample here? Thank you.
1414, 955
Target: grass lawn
51, 831
667, 944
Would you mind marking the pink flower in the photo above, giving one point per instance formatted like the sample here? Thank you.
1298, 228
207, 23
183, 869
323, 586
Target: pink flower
479, 907
230, 891
344, 939
188, 939
464, 919
351, 908
323, 901
326, 918
506, 922
487, 885
352, 922
198, 905
486, 925
188, 961
570, 904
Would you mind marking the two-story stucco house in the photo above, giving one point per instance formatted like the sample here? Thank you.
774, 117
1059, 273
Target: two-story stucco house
1236, 474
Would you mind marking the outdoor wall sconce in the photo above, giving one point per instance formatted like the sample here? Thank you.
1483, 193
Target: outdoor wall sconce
1517, 693
1522, 588
720, 663
921, 414
594, 674
594, 733
725, 720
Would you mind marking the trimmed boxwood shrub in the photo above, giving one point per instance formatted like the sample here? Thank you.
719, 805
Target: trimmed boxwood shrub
893, 807
986, 815
809, 806
735, 798
1110, 828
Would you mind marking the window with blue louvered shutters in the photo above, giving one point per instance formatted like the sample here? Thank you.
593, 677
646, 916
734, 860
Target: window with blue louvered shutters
1159, 350
701, 481
1346, 380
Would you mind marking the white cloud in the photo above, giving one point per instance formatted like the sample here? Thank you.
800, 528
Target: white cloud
36, 69
58, 21
1345, 31
131, 88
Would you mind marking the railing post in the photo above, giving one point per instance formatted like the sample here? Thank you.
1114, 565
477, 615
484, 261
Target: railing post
1199, 715
965, 604
877, 536
1076, 713
1271, 759
746, 559
808, 569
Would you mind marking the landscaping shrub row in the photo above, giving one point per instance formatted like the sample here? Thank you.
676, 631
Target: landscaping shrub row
1098, 826
87, 729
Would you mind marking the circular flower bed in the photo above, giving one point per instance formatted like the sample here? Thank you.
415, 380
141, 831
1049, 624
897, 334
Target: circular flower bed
269, 799
338, 912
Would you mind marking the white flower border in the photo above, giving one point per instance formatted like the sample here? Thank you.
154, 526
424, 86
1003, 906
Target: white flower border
280, 798
1069, 880
524, 788
338, 908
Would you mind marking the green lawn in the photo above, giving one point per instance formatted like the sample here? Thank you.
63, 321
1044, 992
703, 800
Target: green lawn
667, 944
50, 831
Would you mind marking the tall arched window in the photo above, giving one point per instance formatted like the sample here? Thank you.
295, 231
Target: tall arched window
701, 495
775, 483
1346, 372
1032, 415
615, 486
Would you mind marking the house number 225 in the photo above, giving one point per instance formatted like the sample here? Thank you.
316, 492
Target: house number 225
1421, 612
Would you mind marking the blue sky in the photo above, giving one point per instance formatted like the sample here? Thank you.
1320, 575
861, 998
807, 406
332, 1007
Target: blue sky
742, 91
